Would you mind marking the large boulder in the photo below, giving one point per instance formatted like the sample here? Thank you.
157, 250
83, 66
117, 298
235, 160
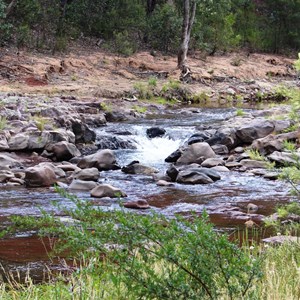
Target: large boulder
196, 153
224, 136
136, 168
272, 142
39, 176
256, 129
102, 160
107, 190
83, 134
174, 156
63, 151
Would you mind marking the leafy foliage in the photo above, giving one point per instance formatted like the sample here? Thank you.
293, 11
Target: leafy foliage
153, 257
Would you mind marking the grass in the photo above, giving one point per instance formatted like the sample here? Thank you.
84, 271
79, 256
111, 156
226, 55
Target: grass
240, 112
255, 155
3, 122
140, 109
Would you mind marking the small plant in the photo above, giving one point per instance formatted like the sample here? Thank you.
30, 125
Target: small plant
297, 63
106, 107
201, 98
40, 122
236, 61
255, 155
240, 112
152, 81
3, 122
289, 146
140, 109
144, 91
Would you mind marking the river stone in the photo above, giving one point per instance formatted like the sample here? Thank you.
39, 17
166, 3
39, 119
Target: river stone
3, 142
18, 181
140, 204
18, 142
196, 153
172, 172
60, 173
220, 169
38, 140
284, 158
68, 167
174, 156
164, 183
253, 164
114, 143
212, 162
224, 136
8, 162
193, 177
87, 174
83, 134
5, 175
83, 185
39, 176
64, 151
154, 132
232, 164
102, 160
106, 190
256, 129
136, 168
198, 138
61, 135
220, 149
272, 143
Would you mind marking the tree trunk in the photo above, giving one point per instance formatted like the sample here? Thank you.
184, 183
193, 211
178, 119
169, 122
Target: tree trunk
10, 7
150, 6
189, 12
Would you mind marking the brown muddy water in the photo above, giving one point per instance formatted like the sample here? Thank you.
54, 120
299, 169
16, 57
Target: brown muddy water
225, 200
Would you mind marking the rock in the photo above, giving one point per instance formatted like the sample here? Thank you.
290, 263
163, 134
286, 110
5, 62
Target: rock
172, 172
256, 129
58, 172
83, 185
102, 160
253, 164
83, 134
140, 204
272, 142
6, 175
281, 239
220, 149
106, 190
251, 208
196, 153
18, 142
87, 174
239, 150
115, 116
198, 138
220, 169
62, 135
38, 140
17, 181
154, 132
94, 120
136, 168
224, 136
39, 176
232, 164
8, 162
64, 151
212, 162
284, 158
164, 183
193, 177
114, 143
281, 125
3, 142
173, 157
68, 167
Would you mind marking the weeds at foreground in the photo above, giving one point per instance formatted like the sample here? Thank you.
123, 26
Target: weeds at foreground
149, 256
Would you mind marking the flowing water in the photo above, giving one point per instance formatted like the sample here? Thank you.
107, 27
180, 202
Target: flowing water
225, 200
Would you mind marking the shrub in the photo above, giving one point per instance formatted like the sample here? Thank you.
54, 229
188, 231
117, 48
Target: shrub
151, 256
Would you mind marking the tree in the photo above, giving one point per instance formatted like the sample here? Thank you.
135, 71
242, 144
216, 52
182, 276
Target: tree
189, 11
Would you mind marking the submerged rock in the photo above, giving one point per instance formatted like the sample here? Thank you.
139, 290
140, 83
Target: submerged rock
136, 168
154, 132
140, 204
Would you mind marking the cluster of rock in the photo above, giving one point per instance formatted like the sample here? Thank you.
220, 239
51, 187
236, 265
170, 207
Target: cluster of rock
57, 154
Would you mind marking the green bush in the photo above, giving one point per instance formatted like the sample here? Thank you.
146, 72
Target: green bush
151, 256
